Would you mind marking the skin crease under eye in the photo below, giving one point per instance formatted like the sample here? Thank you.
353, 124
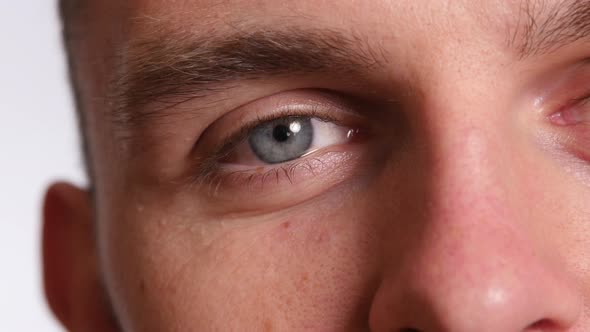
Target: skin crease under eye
251, 190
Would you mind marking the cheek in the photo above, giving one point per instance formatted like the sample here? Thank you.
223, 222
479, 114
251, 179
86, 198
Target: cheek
568, 203
557, 201
290, 272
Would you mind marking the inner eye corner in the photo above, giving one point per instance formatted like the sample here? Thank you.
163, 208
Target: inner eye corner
571, 114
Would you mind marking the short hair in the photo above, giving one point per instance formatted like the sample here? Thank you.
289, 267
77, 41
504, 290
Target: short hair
71, 12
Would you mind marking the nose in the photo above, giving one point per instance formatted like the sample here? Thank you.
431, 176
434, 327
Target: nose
473, 263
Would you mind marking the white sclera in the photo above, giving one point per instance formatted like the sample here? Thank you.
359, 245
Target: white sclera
327, 133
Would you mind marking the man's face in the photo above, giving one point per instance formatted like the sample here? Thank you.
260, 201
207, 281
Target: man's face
340, 165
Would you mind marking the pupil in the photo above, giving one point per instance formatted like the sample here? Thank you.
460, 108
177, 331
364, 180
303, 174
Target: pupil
281, 133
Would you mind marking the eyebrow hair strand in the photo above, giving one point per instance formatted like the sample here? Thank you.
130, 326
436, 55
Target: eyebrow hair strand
543, 29
182, 67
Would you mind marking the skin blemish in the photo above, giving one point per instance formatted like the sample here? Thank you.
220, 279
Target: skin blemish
304, 277
302, 283
322, 236
283, 231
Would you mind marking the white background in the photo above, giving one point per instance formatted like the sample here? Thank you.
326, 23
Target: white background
38, 144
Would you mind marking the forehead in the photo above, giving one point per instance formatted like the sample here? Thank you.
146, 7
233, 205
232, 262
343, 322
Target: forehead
373, 9
385, 17
519, 24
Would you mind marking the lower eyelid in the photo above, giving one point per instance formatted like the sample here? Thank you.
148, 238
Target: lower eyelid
271, 179
228, 168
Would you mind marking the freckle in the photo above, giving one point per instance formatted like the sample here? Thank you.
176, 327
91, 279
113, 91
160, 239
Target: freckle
301, 284
259, 169
305, 277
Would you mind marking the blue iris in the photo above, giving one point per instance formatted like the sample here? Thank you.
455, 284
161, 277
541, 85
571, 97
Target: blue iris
281, 140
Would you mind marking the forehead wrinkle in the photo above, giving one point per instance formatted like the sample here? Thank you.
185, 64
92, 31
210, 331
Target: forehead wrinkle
544, 27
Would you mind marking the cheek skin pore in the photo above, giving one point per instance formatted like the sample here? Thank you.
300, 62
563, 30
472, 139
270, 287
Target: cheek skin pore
298, 270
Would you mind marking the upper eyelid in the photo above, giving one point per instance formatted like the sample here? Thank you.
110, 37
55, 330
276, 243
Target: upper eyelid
321, 104
581, 99
584, 100
558, 89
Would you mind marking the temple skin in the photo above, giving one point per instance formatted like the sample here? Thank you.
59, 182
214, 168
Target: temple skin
461, 204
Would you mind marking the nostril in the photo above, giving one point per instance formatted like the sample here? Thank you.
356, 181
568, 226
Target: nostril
409, 329
543, 325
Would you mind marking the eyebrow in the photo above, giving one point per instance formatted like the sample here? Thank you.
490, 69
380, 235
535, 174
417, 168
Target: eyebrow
544, 28
181, 67
172, 68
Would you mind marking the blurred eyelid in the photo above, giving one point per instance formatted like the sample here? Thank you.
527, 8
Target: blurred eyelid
575, 112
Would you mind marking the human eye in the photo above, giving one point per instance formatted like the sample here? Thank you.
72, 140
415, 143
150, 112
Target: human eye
576, 112
569, 111
296, 144
287, 138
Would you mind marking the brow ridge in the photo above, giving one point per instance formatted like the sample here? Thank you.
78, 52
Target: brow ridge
544, 28
182, 67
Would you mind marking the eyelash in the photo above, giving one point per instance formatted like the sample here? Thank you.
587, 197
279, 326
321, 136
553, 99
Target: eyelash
249, 178
212, 174
585, 99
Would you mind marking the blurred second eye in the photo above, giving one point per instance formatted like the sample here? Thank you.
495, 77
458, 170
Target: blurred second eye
287, 138
575, 114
